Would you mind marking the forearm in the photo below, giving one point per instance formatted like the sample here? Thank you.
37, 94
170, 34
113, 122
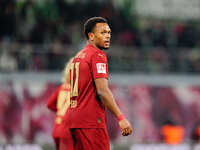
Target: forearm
109, 101
107, 98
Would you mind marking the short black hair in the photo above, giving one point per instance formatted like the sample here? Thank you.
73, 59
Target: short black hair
91, 23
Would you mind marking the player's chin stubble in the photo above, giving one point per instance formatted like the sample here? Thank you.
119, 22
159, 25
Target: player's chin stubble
106, 48
103, 48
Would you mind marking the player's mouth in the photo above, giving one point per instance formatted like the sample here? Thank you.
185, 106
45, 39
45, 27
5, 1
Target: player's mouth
107, 43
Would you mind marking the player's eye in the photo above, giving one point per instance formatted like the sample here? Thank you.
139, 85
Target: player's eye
104, 32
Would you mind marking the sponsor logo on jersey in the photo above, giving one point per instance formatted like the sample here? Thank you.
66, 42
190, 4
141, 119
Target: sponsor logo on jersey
101, 68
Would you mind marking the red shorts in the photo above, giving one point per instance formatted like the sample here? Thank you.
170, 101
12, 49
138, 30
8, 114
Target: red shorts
61, 131
66, 144
90, 139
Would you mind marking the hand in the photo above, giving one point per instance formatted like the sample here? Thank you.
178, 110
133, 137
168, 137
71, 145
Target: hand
125, 126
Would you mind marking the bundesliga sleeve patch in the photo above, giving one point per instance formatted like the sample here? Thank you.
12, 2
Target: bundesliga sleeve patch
101, 68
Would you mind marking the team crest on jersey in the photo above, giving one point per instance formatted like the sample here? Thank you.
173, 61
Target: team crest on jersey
101, 68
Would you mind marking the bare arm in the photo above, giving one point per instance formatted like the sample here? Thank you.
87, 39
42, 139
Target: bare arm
107, 98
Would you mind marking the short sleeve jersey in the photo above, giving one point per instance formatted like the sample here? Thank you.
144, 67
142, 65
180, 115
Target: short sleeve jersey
86, 109
57, 97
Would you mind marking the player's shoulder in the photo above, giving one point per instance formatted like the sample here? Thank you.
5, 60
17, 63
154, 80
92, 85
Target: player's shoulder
80, 55
93, 50
85, 53
100, 53
88, 53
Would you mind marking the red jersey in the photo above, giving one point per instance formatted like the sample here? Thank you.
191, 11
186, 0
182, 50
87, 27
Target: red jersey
86, 109
59, 102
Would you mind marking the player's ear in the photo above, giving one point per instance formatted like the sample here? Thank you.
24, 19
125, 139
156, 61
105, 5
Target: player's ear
91, 36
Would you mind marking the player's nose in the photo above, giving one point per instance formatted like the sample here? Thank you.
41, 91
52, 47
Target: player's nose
108, 36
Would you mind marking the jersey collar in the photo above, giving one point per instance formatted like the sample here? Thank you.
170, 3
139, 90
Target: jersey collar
91, 46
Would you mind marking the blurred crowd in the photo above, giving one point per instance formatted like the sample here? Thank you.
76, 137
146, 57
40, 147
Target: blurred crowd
17, 57
34, 32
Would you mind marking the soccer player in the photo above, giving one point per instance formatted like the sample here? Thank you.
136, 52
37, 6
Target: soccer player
59, 102
90, 93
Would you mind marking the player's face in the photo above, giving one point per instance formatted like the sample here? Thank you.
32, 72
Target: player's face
102, 35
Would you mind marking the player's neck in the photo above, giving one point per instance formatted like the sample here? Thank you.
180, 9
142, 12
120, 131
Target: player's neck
91, 43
